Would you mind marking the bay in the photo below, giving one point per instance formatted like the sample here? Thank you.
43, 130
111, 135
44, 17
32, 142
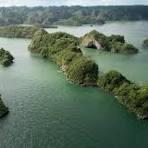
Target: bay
48, 112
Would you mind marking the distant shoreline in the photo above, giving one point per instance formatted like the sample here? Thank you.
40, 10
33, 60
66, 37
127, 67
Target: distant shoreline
72, 16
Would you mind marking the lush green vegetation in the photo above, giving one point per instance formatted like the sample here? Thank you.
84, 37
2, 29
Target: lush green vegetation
17, 31
3, 108
63, 49
6, 58
113, 43
47, 16
134, 97
145, 43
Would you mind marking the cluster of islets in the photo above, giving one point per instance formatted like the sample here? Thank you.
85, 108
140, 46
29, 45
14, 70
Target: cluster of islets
65, 50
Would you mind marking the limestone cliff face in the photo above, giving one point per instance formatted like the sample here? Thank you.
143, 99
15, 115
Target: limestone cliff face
90, 42
63, 49
114, 43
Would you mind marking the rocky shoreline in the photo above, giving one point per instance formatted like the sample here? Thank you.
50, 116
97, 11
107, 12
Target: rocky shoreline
3, 109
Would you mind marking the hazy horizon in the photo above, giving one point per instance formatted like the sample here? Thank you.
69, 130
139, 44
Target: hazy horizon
33, 3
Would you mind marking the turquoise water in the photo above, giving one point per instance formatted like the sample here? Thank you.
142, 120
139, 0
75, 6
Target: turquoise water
48, 112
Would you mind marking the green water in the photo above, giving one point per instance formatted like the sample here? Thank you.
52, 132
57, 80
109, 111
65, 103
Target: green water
48, 112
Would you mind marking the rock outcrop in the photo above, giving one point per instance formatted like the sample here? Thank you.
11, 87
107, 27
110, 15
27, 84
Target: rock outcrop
6, 59
114, 43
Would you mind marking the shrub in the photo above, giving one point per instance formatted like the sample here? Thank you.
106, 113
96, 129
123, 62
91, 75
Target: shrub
117, 38
82, 71
6, 58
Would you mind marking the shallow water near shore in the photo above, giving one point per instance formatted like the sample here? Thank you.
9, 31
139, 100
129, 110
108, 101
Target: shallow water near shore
47, 111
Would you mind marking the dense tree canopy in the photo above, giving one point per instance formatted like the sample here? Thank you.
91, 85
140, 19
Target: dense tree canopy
145, 43
76, 15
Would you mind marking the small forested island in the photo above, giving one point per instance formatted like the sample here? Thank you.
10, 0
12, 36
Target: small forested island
113, 43
3, 109
134, 97
18, 31
145, 43
6, 59
63, 49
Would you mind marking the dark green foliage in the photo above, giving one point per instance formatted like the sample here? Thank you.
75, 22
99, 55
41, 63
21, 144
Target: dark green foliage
39, 43
60, 41
76, 15
63, 49
3, 108
117, 38
65, 57
128, 48
113, 43
6, 58
17, 31
82, 71
134, 97
112, 80
118, 47
145, 43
